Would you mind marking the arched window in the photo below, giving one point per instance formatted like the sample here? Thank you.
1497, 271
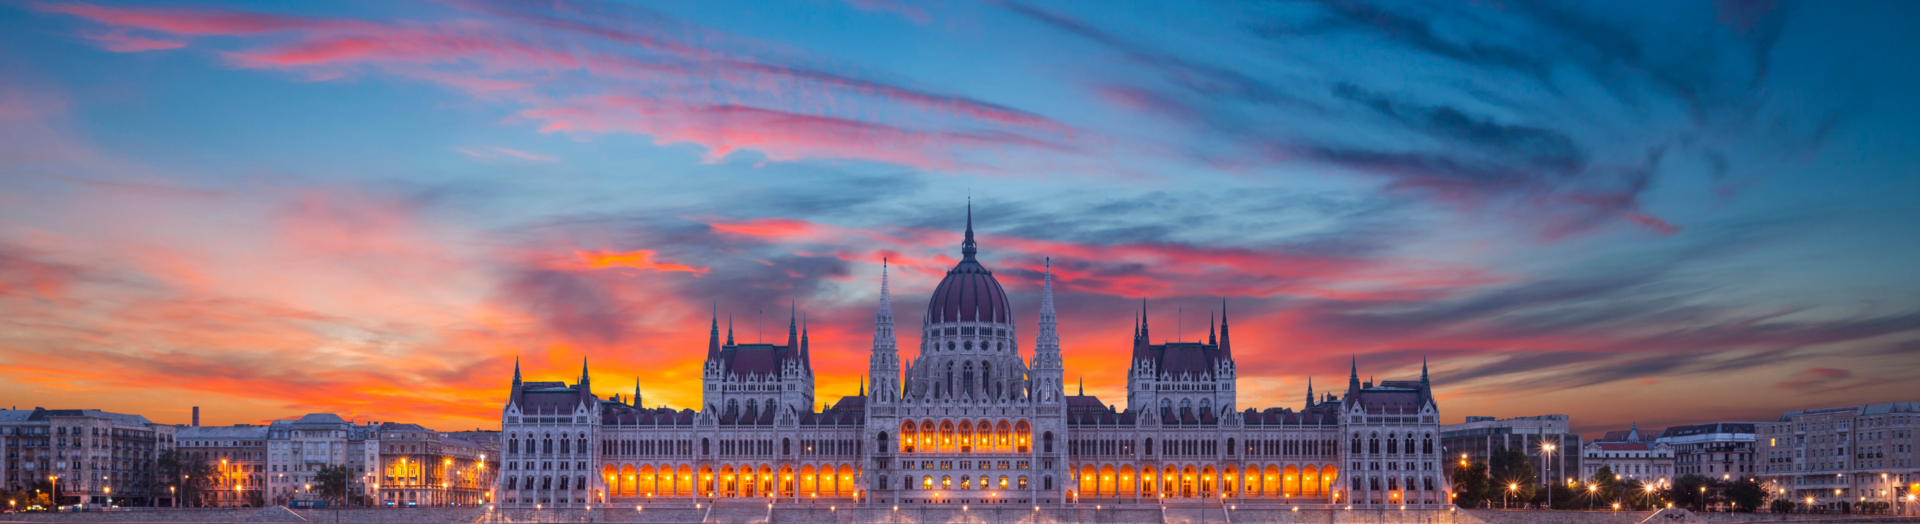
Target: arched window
1186, 408
1373, 444
880, 445
1356, 446
513, 446
1426, 446
1047, 444
1393, 446
1045, 482
1149, 447
1166, 407
706, 447
546, 445
786, 447
1229, 446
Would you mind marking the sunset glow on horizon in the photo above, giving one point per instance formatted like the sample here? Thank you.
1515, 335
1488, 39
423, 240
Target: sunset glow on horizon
1651, 213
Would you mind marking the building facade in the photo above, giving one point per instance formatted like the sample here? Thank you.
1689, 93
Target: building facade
238, 456
1547, 440
298, 449
1834, 457
422, 467
96, 456
971, 419
1722, 449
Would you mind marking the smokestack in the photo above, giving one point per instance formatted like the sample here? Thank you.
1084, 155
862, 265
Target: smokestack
196, 416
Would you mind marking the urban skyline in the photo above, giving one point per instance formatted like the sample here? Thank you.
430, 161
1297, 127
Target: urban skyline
1649, 213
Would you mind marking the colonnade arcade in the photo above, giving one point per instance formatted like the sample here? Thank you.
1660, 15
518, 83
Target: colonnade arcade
743, 480
1205, 481
965, 436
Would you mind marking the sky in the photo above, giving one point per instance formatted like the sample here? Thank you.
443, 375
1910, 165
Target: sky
1651, 212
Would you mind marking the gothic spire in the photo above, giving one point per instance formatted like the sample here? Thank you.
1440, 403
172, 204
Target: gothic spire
585, 382
729, 329
968, 247
1309, 391
713, 334
1210, 339
1143, 321
1083, 385
806, 357
1226, 344
793, 326
638, 401
1353, 375
1047, 340
516, 370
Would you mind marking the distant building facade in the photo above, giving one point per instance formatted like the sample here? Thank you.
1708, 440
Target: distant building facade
422, 467
1479, 437
238, 456
1630, 454
298, 449
1723, 450
96, 455
968, 420
1846, 455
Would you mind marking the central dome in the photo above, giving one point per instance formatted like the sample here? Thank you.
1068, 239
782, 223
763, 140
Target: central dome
969, 293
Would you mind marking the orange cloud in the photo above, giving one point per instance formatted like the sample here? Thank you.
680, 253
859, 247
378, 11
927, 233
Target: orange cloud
637, 259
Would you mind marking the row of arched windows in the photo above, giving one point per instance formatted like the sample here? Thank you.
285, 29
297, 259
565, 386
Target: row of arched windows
967, 436
1394, 444
516, 482
544, 444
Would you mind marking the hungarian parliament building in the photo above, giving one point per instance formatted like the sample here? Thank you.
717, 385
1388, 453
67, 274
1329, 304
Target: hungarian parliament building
971, 419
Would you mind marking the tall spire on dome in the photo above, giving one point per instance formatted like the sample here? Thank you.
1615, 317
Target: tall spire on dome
729, 329
968, 247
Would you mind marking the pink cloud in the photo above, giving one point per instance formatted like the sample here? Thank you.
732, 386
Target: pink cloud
120, 42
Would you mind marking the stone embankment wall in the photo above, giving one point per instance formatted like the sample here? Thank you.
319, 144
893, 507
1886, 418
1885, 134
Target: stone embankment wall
748, 514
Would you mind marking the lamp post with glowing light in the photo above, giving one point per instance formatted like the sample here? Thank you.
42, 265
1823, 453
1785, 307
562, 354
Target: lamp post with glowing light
1547, 448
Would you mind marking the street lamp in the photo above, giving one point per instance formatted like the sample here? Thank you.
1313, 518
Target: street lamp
1508, 501
1548, 449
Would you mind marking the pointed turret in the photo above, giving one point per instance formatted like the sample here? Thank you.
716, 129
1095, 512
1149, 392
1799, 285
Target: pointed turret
516, 371
1226, 344
1048, 339
713, 335
729, 329
1210, 339
1423, 371
806, 355
793, 326
638, 401
1309, 391
1144, 329
1353, 376
1083, 385
882, 364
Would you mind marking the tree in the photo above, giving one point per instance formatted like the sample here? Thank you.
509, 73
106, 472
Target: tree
331, 483
1513, 472
1688, 491
1469, 483
1746, 495
1782, 506
188, 474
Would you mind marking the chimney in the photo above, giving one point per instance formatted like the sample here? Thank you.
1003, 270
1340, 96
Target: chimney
196, 416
